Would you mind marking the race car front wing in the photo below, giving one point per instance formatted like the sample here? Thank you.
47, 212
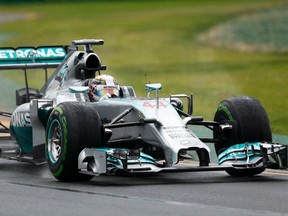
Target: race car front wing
99, 161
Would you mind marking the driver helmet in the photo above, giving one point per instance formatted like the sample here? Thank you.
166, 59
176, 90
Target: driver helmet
104, 85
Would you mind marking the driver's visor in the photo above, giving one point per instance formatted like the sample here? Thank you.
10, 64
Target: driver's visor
103, 90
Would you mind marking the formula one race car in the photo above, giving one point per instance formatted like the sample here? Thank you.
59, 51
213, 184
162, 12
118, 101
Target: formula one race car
84, 124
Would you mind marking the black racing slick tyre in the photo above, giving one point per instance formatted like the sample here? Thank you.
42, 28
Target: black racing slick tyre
71, 127
250, 124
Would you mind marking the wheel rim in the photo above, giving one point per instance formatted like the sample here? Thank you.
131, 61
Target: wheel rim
54, 141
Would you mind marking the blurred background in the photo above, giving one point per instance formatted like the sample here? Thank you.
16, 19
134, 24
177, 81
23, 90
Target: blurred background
214, 49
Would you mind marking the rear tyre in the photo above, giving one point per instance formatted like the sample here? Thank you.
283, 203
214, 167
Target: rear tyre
250, 124
71, 127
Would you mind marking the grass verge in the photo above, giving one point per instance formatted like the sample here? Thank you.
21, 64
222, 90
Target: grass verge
160, 39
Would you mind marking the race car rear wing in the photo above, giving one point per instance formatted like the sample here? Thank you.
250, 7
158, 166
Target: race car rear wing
23, 58
31, 57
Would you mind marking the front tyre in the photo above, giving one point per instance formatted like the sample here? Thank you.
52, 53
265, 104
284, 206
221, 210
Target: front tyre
250, 124
71, 127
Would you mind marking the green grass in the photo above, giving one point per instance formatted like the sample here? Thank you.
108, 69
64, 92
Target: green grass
161, 39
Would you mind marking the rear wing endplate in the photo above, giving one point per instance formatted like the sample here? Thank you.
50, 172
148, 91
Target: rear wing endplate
41, 57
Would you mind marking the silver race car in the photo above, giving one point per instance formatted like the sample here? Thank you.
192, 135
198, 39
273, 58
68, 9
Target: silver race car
84, 124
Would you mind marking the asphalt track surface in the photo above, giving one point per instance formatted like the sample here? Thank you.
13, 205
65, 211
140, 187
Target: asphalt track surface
26, 189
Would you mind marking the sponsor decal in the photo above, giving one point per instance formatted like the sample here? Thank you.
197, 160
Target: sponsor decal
27, 53
152, 104
180, 135
173, 127
21, 119
186, 142
178, 132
